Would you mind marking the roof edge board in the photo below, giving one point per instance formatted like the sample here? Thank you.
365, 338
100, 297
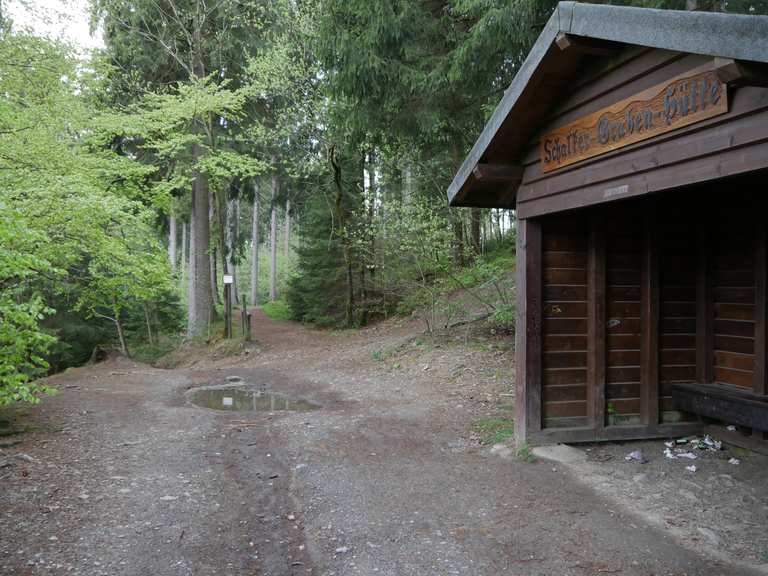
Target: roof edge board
511, 95
739, 36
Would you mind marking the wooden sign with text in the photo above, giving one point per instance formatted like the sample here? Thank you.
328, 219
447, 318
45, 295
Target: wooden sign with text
660, 109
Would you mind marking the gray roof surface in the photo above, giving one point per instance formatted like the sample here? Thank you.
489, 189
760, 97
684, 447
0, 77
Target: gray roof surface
741, 37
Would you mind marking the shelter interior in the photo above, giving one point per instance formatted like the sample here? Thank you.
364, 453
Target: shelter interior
641, 296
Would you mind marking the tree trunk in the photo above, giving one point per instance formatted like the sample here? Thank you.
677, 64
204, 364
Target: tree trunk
215, 298
230, 237
200, 305
458, 240
183, 263
458, 223
172, 242
273, 237
691, 4
149, 324
121, 335
191, 289
408, 184
338, 208
255, 246
287, 231
475, 216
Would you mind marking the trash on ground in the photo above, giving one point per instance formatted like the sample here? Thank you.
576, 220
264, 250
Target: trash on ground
734, 461
731, 428
707, 443
689, 455
691, 468
636, 456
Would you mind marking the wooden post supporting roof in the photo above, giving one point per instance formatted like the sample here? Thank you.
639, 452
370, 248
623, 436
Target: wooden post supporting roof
761, 326
528, 336
704, 309
649, 323
596, 324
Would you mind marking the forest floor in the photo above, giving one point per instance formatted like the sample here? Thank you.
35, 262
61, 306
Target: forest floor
395, 474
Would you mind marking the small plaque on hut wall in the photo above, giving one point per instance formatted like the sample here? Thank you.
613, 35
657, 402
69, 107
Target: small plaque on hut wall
662, 108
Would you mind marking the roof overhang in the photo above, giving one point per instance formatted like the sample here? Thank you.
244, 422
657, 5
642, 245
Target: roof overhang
491, 172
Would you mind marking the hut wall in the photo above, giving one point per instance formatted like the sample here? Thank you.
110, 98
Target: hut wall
636, 296
729, 144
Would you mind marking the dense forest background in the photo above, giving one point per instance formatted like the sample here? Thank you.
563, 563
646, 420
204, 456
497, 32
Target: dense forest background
302, 146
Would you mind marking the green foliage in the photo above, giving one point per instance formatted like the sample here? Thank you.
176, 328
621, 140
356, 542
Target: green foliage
23, 343
525, 453
73, 224
316, 294
149, 353
278, 310
494, 430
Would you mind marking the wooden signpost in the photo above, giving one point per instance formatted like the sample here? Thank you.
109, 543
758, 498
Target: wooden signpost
228, 279
665, 107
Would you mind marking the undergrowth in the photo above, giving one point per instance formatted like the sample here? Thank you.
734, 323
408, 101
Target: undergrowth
494, 430
278, 310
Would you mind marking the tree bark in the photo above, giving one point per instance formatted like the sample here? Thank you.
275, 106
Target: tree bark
273, 236
408, 184
233, 215
287, 230
183, 263
200, 304
172, 242
475, 216
458, 221
339, 216
255, 246
121, 335
215, 298
149, 324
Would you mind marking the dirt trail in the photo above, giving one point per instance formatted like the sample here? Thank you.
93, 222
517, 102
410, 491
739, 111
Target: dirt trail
122, 476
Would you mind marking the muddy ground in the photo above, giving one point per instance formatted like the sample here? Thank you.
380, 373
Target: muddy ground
119, 474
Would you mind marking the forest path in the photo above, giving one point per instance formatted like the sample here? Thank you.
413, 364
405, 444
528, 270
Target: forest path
123, 476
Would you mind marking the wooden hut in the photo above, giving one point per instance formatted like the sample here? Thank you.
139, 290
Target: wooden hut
633, 145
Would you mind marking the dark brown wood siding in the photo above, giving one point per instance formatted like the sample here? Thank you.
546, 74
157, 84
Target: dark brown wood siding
624, 244
677, 319
564, 295
734, 143
733, 281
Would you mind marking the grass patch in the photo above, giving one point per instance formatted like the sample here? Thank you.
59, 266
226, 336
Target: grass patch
494, 430
278, 310
525, 454
150, 353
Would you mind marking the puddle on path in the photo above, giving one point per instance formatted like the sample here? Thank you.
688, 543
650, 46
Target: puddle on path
246, 400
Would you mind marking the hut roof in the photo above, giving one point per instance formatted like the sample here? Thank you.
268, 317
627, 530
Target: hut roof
549, 67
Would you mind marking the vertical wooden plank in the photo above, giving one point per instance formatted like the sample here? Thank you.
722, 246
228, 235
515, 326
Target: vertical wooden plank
596, 322
761, 326
521, 389
649, 321
528, 338
533, 322
704, 307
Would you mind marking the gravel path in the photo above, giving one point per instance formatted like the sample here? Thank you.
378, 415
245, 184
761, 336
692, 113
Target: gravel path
121, 475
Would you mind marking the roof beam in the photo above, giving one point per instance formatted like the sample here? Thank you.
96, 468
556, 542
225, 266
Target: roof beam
498, 173
731, 71
583, 45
